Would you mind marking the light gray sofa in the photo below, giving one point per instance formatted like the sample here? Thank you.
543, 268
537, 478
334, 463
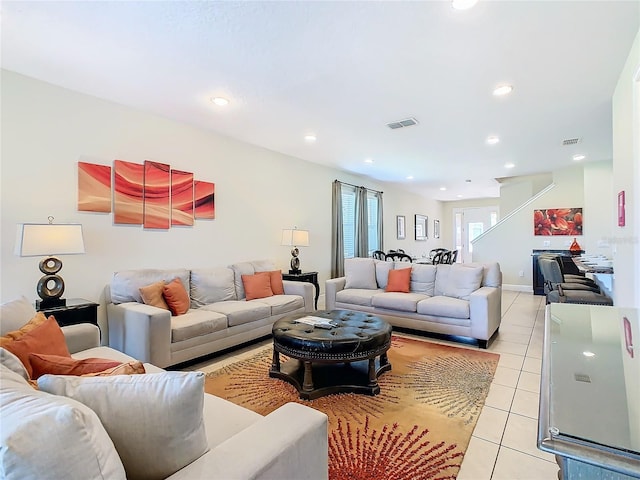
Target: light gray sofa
220, 317
52, 436
458, 299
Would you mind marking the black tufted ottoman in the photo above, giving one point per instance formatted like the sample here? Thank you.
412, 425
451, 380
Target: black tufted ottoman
346, 358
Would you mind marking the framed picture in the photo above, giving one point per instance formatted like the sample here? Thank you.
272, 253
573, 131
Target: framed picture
421, 227
400, 227
436, 229
558, 221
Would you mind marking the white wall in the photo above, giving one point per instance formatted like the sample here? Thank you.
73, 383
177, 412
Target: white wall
626, 167
46, 130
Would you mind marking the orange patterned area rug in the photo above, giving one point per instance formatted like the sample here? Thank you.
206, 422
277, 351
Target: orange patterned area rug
417, 427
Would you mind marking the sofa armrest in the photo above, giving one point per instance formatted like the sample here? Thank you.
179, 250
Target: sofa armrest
141, 331
486, 311
305, 289
81, 336
289, 443
331, 288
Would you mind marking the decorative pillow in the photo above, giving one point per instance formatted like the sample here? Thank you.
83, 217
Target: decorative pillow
462, 280
152, 295
15, 314
42, 364
277, 287
210, 285
360, 273
141, 413
131, 368
40, 335
47, 436
13, 363
176, 297
399, 280
382, 272
257, 285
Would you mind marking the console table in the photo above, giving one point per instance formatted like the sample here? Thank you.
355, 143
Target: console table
76, 310
590, 391
310, 277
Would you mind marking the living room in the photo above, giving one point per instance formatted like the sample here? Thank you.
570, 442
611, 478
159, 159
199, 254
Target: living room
47, 130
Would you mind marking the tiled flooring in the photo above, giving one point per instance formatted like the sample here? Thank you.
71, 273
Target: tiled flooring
503, 445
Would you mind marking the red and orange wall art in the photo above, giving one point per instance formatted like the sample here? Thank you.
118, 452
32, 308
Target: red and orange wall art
94, 187
149, 194
558, 221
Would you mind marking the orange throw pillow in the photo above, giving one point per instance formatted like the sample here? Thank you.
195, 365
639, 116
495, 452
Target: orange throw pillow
176, 297
152, 295
131, 368
277, 287
39, 335
257, 286
399, 280
59, 365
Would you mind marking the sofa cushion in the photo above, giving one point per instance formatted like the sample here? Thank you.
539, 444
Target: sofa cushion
423, 279
59, 365
239, 269
176, 297
125, 284
382, 272
47, 436
15, 314
283, 303
13, 363
195, 323
257, 285
491, 277
442, 306
357, 296
239, 312
399, 280
211, 285
458, 280
360, 273
405, 302
155, 421
153, 295
39, 335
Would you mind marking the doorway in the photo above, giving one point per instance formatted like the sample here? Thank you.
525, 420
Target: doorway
469, 223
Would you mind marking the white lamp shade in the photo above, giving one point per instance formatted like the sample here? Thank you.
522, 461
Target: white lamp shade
33, 239
298, 238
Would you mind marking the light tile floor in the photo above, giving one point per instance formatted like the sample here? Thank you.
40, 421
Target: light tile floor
503, 445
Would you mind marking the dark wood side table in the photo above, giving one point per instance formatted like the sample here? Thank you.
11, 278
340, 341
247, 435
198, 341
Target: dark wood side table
77, 310
309, 277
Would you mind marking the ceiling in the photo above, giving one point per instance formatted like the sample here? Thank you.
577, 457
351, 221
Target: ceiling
343, 70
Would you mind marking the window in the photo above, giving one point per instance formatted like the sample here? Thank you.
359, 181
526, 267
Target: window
349, 221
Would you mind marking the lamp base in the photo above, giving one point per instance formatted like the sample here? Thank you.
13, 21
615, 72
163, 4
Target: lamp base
295, 272
50, 303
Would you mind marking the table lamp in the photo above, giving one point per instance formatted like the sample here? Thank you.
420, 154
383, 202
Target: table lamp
295, 238
38, 239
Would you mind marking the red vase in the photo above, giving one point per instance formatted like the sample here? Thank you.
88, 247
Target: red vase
575, 247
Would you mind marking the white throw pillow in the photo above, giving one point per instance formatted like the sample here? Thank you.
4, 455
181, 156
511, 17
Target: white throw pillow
13, 363
461, 281
382, 272
360, 273
210, 285
155, 420
46, 436
15, 314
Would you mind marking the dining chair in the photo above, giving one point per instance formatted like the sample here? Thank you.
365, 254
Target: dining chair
399, 257
379, 255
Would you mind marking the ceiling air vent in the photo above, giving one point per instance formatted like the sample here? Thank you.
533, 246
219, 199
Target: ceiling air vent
402, 123
570, 141
580, 377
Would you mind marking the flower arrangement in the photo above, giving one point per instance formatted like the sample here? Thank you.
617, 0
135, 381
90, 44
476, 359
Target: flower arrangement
558, 221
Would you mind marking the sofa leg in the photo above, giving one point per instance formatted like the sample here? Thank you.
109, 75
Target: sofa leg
483, 343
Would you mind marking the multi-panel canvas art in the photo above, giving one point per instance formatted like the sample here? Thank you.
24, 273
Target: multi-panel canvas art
149, 194
94, 187
204, 200
157, 186
558, 221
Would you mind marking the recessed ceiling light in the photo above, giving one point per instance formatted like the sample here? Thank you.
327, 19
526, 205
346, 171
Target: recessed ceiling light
310, 138
588, 354
410, 177
578, 156
459, 196
443, 188
368, 160
503, 90
509, 165
492, 140
468, 180
220, 101
463, 4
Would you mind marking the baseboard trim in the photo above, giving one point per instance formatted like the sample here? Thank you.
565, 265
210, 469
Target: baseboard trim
518, 288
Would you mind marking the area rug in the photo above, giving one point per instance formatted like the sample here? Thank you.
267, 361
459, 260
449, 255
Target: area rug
418, 427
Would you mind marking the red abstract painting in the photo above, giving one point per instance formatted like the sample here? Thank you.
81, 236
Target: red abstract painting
181, 198
128, 192
558, 221
157, 185
94, 187
204, 200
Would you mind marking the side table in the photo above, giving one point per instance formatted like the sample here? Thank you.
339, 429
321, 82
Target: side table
309, 277
77, 310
